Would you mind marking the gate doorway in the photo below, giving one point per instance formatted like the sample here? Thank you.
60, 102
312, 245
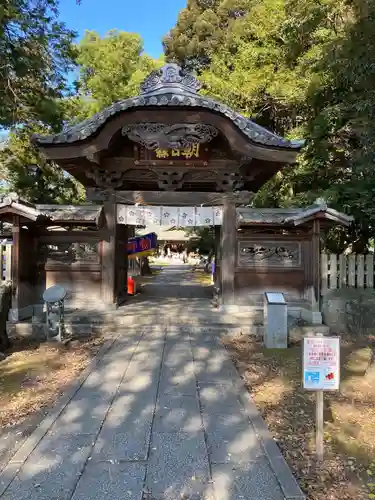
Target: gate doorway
169, 147
178, 268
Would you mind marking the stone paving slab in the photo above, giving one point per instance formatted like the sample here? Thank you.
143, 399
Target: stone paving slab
231, 439
52, 470
250, 481
111, 481
178, 466
178, 414
162, 416
128, 442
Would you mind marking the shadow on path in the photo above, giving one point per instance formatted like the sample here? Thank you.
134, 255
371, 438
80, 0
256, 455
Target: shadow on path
159, 418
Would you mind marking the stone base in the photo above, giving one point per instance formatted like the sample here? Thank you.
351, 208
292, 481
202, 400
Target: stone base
21, 313
312, 317
232, 308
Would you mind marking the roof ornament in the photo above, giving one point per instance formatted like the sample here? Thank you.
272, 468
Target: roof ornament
321, 202
173, 76
9, 198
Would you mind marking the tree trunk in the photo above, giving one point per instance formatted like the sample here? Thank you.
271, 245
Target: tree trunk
145, 266
207, 266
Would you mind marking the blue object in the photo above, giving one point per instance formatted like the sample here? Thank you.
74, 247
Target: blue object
312, 377
142, 245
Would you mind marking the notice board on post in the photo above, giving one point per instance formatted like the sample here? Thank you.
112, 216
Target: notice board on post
321, 363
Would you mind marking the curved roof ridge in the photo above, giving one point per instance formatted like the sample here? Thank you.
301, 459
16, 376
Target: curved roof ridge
169, 86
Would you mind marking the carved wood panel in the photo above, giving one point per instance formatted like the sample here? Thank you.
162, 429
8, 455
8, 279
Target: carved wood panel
162, 136
69, 253
269, 254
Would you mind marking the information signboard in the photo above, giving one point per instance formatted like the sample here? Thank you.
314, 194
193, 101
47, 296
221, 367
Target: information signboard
321, 363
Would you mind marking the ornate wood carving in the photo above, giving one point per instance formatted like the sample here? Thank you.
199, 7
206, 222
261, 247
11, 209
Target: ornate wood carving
68, 253
106, 178
169, 75
163, 136
171, 180
229, 181
167, 179
275, 254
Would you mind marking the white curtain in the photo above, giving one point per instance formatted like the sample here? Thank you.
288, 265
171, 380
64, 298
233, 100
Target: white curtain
152, 215
135, 216
186, 216
169, 216
204, 216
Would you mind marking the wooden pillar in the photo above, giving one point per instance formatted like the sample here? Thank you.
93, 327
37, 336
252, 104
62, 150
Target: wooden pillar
315, 261
217, 254
16, 234
109, 252
228, 244
121, 269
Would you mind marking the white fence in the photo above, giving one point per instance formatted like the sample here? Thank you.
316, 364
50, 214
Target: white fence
340, 271
6, 262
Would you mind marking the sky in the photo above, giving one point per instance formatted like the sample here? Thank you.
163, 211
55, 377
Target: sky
152, 19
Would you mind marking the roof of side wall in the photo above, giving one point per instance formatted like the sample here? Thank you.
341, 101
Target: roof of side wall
291, 216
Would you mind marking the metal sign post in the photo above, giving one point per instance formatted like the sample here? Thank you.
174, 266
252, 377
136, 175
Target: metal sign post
321, 372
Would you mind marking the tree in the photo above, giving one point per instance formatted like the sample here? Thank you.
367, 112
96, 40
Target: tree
201, 29
36, 53
27, 172
111, 68
302, 69
340, 156
202, 240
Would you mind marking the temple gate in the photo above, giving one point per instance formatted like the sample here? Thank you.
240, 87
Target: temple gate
171, 154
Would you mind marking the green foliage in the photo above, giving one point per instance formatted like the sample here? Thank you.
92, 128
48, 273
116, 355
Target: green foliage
48, 184
35, 56
111, 68
302, 69
203, 239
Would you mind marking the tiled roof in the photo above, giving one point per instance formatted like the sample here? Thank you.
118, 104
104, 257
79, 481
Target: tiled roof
54, 213
70, 213
169, 86
291, 216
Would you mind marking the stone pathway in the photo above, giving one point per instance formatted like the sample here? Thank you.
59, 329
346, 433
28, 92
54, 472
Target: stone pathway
162, 416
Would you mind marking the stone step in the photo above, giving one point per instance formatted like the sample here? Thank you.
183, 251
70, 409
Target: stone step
83, 329
30, 330
136, 321
194, 318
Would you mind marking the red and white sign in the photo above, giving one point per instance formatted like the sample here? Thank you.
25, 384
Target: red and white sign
321, 363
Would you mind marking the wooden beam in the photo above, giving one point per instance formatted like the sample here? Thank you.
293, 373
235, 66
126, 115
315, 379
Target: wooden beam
52, 237
228, 243
171, 198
